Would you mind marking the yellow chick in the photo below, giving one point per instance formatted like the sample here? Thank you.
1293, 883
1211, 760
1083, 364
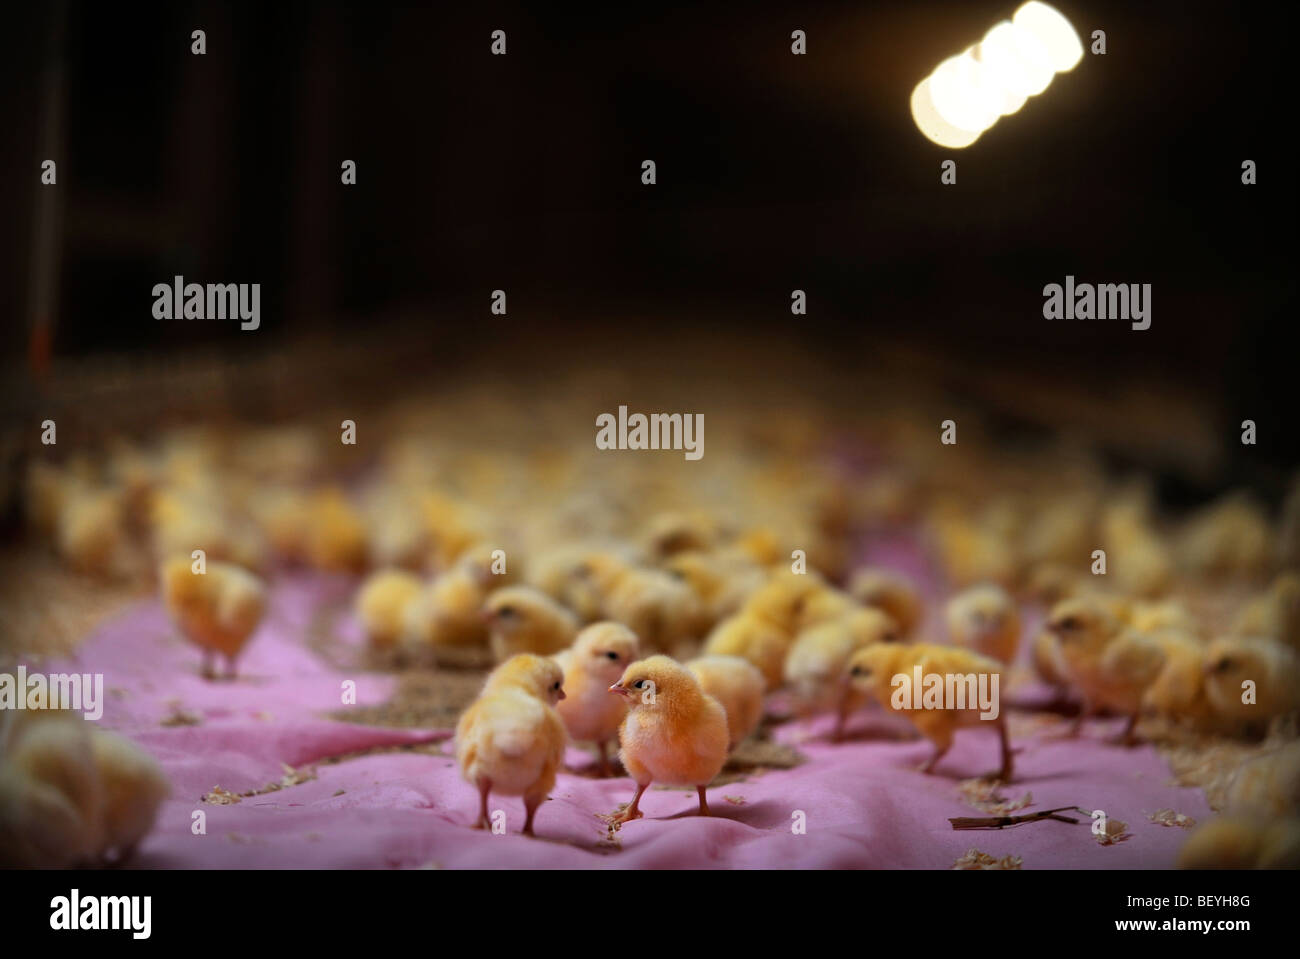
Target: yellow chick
522, 619
670, 533
984, 618
92, 530
578, 577
754, 639
217, 610
872, 669
815, 664
1109, 664
1243, 843
1150, 617
133, 787
511, 740
591, 665
674, 733
1267, 785
1251, 681
449, 611
381, 605
738, 685
336, 537
1178, 691
1231, 537
661, 609
1045, 656
795, 601
51, 797
1275, 614
720, 581
891, 593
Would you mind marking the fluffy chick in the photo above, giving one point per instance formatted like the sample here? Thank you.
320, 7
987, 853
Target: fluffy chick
511, 739
795, 601
891, 593
51, 796
738, 685
1275, 614
815, 664
1178, 692
984, 618
755, 639
591, 665
661, 609
1274, 669
1045, 656
525, 620
91, 530
871, 671
218, 610
1267, 785
1110, 665
336, 537
674, 733
1243, 843
133, 787
449, 611
381, 605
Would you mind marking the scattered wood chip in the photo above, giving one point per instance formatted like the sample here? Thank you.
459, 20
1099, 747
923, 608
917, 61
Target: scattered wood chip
1116, 832
982, 794
1167, 817
180, 717
974, 859
735, 800
221, 797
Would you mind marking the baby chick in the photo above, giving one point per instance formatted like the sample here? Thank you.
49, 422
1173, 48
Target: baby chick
51, 803
1110, 665
754, 639
871, 671
794, 601
984, 618
91, 529
661, 609
381, 605
511, 739
133, 788
1267, 785
1271, 669
815, 664
674, 732
1243, 843
1045, 656
591, 665
1178, 691
890, 592
336, 537
525, 620
738, 685
449, 611
1275, 614
218, 610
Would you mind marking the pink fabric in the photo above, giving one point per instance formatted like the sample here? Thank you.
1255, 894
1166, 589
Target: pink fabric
865, 804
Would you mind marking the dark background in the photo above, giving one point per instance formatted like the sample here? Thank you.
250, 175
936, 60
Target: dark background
775, 172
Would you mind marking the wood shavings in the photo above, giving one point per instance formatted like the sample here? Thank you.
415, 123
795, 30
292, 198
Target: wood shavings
1167, 817
1116, 832
735, 800
179, 716
221, 797
982, 794
974, 859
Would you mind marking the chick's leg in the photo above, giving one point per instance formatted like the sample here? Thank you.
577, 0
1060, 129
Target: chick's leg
1005, 772
484, 787
704, 803
1128, 737
207, 664
602, 766
231, 672
633, 811
531, 802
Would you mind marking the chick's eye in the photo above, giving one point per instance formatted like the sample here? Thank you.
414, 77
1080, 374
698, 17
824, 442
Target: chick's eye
555, 685
1069, 623
856, 671
612, 655
639, 683
1223, 665
506, 611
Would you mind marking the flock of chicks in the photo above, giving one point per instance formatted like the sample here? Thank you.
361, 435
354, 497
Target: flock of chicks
615, 615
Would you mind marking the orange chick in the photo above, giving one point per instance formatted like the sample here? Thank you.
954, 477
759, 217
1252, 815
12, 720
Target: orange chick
218, 610
674, 733
984, 618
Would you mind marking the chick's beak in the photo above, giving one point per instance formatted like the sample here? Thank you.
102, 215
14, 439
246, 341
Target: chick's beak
561, 695
616, 688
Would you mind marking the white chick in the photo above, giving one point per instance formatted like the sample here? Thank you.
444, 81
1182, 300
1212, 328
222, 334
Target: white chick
591, 665
738, 685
